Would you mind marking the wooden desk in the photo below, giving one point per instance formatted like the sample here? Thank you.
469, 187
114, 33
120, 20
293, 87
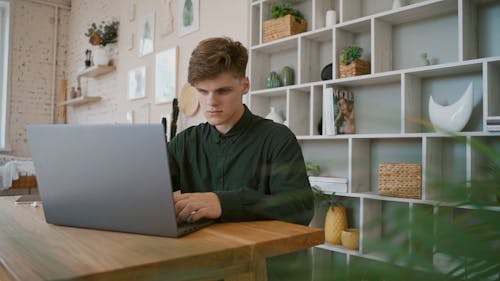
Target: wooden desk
31, 249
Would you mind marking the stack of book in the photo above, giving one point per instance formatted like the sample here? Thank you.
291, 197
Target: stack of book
493, 123
329, 185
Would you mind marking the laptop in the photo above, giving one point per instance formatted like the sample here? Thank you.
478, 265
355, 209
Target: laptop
108, 177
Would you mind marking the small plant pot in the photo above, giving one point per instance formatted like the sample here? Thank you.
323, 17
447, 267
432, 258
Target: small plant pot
350, 238
355, 68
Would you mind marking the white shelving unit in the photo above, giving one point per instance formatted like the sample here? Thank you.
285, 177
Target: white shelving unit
457, 34
89, 72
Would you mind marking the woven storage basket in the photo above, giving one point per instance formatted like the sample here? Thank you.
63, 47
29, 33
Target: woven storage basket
282, 27
400, 180
355, 68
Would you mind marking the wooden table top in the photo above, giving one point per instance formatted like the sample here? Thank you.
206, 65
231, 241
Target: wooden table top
31, 249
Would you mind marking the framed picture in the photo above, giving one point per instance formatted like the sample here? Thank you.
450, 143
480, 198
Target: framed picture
166, 75
189, 16
137, 83
146, 35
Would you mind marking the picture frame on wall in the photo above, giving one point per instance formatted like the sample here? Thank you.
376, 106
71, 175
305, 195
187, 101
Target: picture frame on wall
137, 83
188, 14
146, 35
166, 75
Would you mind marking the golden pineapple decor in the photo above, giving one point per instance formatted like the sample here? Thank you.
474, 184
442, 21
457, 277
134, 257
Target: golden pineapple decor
335, 223
336, 217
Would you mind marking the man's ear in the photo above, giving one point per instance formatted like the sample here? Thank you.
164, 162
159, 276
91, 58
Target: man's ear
246, 85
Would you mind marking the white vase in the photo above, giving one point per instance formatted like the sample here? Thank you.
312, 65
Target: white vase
397, 4
452, 117
330, 18
273, 115
101, 56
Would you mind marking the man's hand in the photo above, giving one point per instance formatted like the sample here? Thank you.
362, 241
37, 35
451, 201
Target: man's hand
194, 206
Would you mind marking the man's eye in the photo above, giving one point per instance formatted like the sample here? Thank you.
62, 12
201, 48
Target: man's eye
224, 91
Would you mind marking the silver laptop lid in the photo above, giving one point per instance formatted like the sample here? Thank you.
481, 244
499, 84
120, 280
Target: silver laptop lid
111, 177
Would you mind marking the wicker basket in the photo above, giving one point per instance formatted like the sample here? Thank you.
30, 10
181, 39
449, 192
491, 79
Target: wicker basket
282, 27
400, 180
355, 68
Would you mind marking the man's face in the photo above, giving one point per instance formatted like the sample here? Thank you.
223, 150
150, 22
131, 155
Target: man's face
221, 100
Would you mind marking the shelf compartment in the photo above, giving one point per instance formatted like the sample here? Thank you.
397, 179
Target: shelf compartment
445, 85
299, 114
261, 103
354, 9
367, 154
331, 155
316, 53
480, 23
273, 57
422, 231
383, 93
321, 6
401, 38
446, 168
454, 226
328, 263
255, 26
493, 84
484, 168
358, 33
305, 7
352, 205
384, 223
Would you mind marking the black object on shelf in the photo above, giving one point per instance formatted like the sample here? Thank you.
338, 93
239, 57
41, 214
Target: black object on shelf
175, 115
326, 72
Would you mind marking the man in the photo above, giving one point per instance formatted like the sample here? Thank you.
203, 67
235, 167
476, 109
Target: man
236, 166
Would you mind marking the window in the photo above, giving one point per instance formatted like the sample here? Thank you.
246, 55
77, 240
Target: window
4, 63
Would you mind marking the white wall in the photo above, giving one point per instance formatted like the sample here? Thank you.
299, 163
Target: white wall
217, 18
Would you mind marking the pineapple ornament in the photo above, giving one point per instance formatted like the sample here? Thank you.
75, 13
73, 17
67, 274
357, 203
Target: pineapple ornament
335, 221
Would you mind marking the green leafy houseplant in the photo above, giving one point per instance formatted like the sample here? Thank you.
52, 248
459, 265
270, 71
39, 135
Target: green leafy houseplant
350, 54
103, 34
279, 10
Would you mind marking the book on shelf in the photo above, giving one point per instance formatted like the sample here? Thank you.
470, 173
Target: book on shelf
493, 128
344, 119
338, 112
493, 118
329, 184
492, 121
328, 113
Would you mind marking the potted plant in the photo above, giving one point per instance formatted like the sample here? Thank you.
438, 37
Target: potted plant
336, 216
350, 63
286, 20
102, 35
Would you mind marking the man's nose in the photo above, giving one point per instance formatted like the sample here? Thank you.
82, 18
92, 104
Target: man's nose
211, 98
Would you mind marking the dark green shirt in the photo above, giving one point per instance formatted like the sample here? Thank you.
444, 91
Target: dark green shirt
256, 169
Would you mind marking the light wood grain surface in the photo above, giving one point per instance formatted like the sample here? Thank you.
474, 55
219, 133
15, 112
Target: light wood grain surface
31, 249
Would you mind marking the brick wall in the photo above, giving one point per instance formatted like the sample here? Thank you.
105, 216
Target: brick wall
32, 66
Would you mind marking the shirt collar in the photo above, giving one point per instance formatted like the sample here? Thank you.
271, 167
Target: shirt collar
236, 130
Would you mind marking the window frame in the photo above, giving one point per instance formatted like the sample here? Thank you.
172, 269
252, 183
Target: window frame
5, 38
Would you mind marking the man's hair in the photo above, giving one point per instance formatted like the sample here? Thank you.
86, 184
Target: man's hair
214, 56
